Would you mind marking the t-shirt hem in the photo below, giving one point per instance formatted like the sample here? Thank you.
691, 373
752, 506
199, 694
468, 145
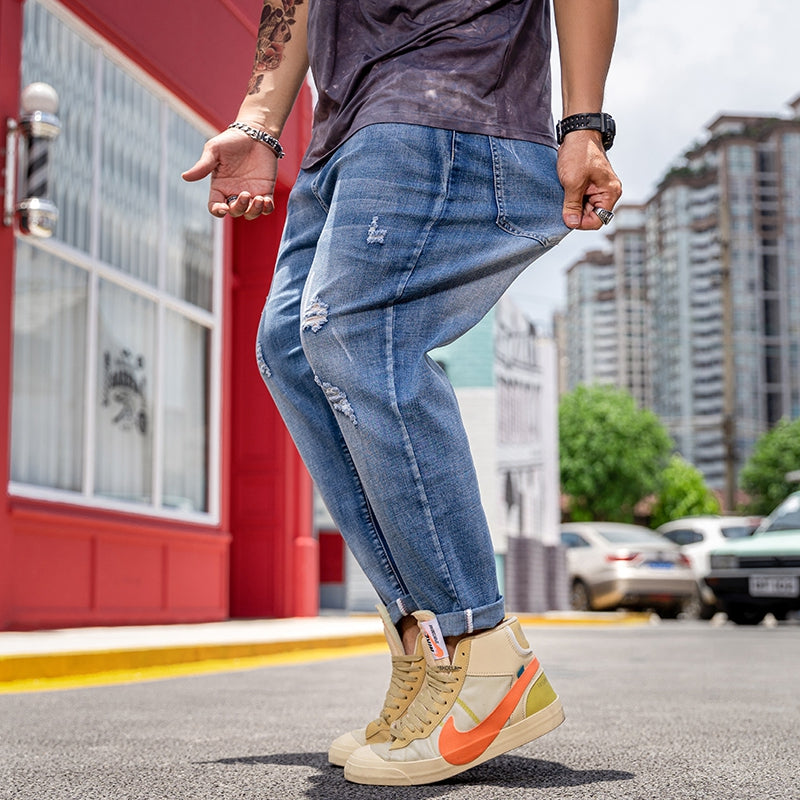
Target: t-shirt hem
547, 138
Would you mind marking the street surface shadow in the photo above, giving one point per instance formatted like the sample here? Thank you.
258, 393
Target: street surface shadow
506, 771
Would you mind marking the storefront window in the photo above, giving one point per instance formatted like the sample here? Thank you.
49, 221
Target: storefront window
50, 315
117, 315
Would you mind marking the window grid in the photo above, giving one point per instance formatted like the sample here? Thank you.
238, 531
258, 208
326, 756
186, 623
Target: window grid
63, 26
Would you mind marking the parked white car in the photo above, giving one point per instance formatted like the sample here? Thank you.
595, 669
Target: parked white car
614, 565
697, 537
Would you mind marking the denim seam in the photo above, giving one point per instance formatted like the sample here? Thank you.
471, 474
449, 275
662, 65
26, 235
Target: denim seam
369, 517
390, 316
315, 191
502, 221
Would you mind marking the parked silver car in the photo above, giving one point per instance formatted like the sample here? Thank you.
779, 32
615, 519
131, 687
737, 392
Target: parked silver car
614, 565
697, 537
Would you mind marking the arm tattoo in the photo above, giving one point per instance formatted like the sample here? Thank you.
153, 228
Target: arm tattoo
274, 31
256, 79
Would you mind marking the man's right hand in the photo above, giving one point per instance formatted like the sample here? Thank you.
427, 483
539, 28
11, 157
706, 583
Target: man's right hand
242, 171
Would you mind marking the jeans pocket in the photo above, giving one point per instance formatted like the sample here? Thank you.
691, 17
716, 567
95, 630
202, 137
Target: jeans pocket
528, 193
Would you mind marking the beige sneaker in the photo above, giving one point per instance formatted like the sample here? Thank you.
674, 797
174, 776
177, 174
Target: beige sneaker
407, 675
491, 698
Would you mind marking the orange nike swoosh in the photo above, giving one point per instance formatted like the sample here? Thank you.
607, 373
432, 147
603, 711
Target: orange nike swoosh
461, 747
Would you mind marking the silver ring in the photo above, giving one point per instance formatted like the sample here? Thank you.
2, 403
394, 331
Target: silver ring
604, 215
231, 198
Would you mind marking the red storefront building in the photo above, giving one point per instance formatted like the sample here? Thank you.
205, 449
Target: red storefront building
147, 477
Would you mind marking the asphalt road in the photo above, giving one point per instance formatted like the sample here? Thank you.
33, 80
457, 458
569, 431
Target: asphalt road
663, 712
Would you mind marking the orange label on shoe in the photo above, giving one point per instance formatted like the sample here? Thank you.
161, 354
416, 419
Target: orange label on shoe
461, 747
434, 639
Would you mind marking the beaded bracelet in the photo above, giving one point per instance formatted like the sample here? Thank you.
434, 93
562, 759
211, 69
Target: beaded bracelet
260, 136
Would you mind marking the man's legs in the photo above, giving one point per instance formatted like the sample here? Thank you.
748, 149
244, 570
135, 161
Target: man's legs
418, 232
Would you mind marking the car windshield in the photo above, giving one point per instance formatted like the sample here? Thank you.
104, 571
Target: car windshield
633, 536
786, 517
737, 531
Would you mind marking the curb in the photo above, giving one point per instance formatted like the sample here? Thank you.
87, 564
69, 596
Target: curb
51, 668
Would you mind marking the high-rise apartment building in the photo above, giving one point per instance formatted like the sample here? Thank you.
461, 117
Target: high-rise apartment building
606, 324
632, 304
723, 231
590, 324
704, 280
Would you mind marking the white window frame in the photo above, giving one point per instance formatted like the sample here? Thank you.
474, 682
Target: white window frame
97, 270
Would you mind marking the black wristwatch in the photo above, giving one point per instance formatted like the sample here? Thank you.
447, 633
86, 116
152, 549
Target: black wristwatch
588, 122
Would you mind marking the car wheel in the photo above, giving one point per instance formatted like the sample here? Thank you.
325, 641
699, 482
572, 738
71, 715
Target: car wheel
695, 607
707, 611
581, 600
692, 607
670, 612
744, 615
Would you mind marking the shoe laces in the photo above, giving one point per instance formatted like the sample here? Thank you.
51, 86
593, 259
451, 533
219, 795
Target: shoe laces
407, 672
428, 706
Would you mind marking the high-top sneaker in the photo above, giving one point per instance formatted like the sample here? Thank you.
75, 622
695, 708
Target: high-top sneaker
492, 697
406, 680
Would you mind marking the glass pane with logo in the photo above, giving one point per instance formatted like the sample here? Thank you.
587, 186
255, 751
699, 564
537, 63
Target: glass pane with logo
126, 377
49, 383
186, 414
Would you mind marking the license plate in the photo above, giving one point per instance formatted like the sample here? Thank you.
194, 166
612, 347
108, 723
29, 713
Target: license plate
660, 564
774, 585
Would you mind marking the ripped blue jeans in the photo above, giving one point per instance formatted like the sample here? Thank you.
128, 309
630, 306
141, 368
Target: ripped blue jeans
399, 243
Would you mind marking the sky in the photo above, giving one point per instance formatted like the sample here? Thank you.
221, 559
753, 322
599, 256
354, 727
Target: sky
676, 66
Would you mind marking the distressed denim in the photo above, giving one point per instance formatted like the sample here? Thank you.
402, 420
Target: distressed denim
399, 243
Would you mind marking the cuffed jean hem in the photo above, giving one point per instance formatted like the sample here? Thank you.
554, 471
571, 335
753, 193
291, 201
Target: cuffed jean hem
470, 620
400, 608
455, 623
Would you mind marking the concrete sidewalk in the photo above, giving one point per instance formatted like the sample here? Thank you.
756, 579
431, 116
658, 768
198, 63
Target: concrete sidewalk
51, 655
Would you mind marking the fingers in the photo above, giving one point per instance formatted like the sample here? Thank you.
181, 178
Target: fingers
573, 211
582, 204
242, 205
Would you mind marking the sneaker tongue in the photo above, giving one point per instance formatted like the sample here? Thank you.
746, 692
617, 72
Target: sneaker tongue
390, 631
435, 648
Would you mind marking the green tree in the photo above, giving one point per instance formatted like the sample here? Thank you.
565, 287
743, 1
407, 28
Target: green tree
683, 493
612, 454
763, 477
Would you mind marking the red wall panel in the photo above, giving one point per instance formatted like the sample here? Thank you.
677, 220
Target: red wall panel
200, 577
78, 566
129, 574
331, 557
52, 571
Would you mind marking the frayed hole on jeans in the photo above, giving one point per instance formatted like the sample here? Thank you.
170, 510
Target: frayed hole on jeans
262, 365
337, 399
376, 235
315, 315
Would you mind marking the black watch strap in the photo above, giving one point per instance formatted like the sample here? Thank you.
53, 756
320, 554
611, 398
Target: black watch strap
588, 122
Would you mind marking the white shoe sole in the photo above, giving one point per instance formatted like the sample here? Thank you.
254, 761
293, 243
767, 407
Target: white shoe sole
366, 767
